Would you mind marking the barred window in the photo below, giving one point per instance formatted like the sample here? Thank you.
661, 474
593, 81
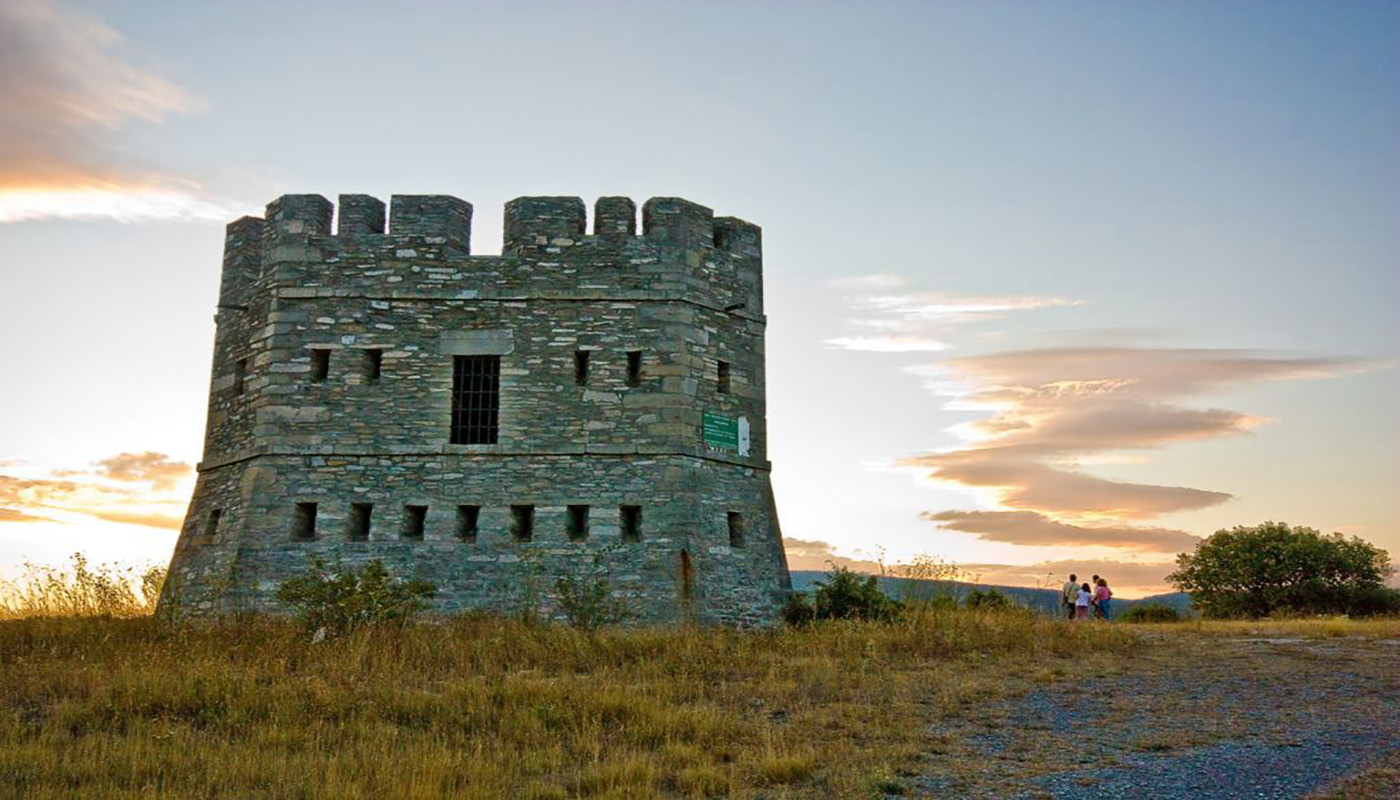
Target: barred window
476, 399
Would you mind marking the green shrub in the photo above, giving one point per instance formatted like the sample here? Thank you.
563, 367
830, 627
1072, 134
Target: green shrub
1151, 612
587, 604
340, 601
986, 599
798, 610
848, 595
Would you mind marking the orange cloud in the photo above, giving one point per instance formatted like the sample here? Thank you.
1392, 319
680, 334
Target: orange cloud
20, 497
1055, 409
1031, 528
15, 515
812, 554
148, 466
65, 87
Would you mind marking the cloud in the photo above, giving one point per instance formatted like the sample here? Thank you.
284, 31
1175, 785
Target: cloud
148, 466
810, 554
65, 89
15, 515
1031, 528
1057, 409
920, 321
163, 521
21, 498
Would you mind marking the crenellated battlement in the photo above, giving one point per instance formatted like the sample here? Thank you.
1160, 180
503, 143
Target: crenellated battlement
591, 402
531, 225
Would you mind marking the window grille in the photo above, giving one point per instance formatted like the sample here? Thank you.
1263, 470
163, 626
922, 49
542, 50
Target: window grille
476, 399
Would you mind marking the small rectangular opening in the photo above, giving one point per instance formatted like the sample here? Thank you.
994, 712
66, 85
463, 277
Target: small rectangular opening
467, 519
578, 523
722, 377
580, 367
522, 526
736, 529
320, 364
634, 368
357, 524
304, 522
211, 525
631, 523
374, 363
240, 374
413, 519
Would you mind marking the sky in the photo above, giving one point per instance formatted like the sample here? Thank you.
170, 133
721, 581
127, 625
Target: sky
1051, 287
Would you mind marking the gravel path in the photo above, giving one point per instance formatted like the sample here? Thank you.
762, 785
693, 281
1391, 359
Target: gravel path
1198, 720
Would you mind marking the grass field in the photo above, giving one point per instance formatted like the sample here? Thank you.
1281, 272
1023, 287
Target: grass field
491, 707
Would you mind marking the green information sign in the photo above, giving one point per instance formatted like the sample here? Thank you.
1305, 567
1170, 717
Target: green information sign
720, 432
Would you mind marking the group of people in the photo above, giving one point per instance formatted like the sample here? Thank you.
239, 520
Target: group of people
1093, 600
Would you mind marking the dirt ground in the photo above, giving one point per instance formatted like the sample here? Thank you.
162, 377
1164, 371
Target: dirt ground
1199, 716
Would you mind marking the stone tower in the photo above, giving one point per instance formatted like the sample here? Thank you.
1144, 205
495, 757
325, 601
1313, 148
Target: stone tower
580, 405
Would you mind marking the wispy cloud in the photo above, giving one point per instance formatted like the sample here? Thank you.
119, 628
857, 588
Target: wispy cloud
66, 87
148, 466
112, 492
1031, 528
903, 322
1057, 410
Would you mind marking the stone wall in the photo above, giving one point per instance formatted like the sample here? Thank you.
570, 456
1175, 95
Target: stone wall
298, 414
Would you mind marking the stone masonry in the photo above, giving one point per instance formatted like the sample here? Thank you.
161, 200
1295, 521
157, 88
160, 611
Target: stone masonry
628, 440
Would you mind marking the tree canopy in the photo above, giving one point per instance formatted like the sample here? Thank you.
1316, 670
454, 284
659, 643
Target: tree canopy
1272, 568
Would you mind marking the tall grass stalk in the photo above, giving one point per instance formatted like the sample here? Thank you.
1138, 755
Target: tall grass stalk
82, 590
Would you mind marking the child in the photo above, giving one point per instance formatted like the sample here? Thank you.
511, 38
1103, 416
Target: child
1081, 602
1103, 597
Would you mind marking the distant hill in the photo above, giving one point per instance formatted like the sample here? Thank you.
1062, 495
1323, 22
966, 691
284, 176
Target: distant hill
1045, 600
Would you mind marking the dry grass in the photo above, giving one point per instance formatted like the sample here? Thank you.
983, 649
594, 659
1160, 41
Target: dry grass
82, 590
1301, 628
1380, 782
485, 707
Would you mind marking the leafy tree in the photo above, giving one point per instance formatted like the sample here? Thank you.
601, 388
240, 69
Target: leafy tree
1271, 568
848, 595
338, 601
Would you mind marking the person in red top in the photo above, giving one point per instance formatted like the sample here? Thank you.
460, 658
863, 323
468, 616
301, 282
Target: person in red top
1103, 601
